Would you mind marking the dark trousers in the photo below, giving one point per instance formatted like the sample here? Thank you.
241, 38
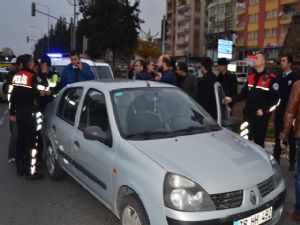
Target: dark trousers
258, 127
278, 124
12, 148
26, 139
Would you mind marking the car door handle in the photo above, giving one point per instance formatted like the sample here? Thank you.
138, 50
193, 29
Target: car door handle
76, 143
54, 127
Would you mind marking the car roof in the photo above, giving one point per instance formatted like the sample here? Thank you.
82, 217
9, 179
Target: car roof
66, 61
116, 84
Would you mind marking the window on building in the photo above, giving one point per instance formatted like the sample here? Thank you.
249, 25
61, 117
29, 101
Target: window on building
274, 31
256, 17
250, 35
255, 34
275, 13
267, 32
269, 15
250, 18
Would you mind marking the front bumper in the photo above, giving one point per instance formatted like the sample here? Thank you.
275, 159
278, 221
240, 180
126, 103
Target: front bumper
277, 204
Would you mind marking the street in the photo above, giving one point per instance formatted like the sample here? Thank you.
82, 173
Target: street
47, 202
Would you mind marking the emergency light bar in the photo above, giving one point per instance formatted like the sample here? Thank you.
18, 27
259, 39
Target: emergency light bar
55, 55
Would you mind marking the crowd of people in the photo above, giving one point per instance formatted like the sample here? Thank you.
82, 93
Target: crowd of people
30, 86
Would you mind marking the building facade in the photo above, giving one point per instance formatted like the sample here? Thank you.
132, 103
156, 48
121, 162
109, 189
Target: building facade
263, 24
221, 24
186, 27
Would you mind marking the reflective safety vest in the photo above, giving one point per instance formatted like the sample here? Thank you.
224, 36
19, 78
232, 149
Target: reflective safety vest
263, 82
53, 80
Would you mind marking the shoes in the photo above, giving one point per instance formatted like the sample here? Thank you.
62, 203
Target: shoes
292, 167
36, 176
11, 160
293, 215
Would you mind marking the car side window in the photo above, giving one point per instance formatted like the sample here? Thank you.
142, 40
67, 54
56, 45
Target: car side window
69, 104
94, 111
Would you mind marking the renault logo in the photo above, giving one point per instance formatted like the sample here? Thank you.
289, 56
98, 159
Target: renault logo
253, 197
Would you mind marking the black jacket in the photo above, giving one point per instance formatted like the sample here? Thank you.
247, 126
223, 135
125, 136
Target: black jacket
260, 92
206, 93
188, 84
229, 83
285, 87
144, 75
24, 91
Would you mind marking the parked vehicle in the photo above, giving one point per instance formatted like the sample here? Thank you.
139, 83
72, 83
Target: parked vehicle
152, 155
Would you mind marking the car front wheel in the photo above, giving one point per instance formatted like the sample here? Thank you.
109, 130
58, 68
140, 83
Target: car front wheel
133, 212
53, 167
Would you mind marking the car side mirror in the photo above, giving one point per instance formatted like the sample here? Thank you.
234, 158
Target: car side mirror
232, 122
95, 133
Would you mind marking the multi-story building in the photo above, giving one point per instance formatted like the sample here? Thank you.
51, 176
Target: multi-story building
221, 24
263, 24
185, 37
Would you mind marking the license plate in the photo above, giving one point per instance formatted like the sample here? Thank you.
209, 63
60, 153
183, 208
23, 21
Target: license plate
259, 218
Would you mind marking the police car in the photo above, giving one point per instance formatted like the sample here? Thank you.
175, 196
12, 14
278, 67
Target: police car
100, 70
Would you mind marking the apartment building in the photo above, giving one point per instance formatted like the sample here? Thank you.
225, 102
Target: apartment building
262, 25
185, 37
221, 24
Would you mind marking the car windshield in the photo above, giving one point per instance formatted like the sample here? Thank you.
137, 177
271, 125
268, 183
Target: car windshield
154, 113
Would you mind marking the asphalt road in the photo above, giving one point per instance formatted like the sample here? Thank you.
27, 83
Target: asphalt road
47, 202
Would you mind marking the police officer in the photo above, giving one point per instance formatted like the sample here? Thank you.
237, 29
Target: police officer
286, 81
48, 83
23, 97
7, 89
261, 95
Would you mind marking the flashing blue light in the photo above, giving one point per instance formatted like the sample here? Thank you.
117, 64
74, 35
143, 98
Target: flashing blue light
55, 55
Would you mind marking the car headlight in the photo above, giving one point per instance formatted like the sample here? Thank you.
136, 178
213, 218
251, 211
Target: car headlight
183, 194
277, 171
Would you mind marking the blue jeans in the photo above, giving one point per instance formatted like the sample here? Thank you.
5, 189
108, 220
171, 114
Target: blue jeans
297, 206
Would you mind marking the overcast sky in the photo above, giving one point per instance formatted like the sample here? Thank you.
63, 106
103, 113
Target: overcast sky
16, 20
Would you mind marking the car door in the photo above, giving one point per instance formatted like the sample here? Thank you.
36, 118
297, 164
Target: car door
94, 159
222, 107
63, 125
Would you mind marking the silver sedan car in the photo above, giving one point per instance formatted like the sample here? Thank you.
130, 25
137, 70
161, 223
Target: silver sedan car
152, 155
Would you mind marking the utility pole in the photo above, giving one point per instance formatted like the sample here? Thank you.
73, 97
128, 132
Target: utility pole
73, 3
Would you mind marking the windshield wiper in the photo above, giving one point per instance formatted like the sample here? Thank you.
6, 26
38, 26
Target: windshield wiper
148, 134
191, 130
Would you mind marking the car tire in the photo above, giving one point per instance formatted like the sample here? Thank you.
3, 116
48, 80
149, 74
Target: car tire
132, 211
53, 168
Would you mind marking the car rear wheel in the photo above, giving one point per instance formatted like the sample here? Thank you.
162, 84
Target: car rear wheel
133, 212
53, 167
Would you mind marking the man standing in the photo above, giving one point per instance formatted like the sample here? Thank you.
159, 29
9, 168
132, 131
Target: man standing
140, 71
226, 78
286, 80
164, 66
206, 88
261, 95
293, 113
22, 111
7, 89
186, 81
76, 71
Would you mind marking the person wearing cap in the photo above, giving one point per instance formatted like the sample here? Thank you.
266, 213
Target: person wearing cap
49, 83
226, 78
17, 65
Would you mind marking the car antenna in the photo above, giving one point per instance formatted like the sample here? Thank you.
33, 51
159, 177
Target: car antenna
148, 84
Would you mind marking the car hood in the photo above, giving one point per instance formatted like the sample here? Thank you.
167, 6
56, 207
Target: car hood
220, 161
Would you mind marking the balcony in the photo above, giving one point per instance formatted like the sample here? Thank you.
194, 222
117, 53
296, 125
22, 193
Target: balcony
182, 42
287, 2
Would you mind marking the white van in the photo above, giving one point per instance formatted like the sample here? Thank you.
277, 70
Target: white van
100, 70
